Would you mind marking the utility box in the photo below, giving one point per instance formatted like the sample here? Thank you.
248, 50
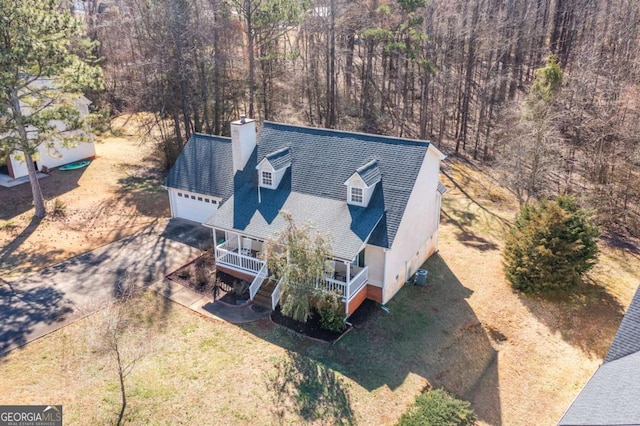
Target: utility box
421, 277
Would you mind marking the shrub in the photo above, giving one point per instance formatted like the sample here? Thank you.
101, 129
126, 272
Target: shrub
59, 208
240, 287
438, 407
550, 247
202, 276
331, 310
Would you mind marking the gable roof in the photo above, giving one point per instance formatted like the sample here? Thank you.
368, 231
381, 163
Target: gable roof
611, 396
370, 173
323, 159
279, 159
205, 166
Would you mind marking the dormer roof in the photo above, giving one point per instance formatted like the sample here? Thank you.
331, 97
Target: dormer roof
370, 173
279, 159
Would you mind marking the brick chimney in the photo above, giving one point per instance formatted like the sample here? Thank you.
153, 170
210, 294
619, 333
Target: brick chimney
243, 141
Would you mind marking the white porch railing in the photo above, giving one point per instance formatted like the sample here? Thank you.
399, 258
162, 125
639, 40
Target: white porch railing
275, 295
225, 255
331, 284
347, 289
257, 281
357, 283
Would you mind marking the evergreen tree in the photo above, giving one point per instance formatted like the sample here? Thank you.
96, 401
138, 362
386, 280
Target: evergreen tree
41, 70
550, 247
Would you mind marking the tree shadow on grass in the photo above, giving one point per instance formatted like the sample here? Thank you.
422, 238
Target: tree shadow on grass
11, 257
587, 317
465, 236
310, 390
430, 331
19, 198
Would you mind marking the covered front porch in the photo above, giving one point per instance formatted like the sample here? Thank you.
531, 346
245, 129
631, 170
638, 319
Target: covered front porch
239, 253
246, 256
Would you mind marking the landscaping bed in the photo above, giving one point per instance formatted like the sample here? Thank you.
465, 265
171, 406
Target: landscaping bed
313, 328
202, 276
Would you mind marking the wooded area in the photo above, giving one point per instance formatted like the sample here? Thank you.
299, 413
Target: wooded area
456, 72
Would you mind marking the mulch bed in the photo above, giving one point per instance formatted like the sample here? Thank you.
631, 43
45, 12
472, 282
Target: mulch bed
313, 329
202, 276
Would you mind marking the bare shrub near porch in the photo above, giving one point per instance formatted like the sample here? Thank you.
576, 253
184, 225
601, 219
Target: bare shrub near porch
298, 255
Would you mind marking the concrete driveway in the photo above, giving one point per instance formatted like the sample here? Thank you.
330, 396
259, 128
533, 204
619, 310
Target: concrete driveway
37, 304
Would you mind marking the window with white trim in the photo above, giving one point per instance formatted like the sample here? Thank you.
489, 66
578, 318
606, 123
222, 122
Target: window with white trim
356, 195
267, 178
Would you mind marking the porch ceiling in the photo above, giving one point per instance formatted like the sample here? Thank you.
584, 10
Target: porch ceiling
348, 227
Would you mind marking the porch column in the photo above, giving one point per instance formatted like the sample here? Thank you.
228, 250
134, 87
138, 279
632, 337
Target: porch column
346, 285
239, 246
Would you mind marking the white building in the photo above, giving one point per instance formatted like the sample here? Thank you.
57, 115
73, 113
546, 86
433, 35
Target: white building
377, 198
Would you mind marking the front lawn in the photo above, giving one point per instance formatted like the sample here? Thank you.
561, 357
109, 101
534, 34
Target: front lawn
202, 371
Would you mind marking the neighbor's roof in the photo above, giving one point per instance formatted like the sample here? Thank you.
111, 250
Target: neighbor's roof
612, 395
323, 159
205, 166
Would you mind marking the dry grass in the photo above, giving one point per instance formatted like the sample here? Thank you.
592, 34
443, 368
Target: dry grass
520, 360
115, 196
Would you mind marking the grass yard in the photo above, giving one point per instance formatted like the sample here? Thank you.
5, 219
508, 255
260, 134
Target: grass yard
201, 371
520, 360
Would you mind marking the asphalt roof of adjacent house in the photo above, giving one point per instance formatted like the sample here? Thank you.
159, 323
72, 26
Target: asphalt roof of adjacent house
321, 161
612, 395
205, 166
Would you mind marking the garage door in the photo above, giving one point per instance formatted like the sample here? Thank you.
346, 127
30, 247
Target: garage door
190, 206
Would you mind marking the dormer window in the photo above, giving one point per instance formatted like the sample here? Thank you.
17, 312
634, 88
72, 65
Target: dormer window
362, 183
267, 178
272, 168
356, 195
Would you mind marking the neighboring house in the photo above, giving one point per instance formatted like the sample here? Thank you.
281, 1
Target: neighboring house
376, 197
612, 395
54, 154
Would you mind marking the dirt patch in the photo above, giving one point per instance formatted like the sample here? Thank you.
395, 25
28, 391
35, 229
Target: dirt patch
117, 195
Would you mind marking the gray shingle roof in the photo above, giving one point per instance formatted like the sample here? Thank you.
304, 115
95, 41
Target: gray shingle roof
442, 189
627, 339
322, 160
205, 166
370, 173
612, 395
348, 227
280, 159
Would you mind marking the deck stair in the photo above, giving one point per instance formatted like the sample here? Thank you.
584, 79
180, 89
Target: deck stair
263, 296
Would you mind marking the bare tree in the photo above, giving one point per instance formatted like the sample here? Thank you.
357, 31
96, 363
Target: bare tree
118, 334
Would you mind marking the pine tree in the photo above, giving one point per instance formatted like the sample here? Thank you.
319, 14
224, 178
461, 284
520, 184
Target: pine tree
550, 247
43, 66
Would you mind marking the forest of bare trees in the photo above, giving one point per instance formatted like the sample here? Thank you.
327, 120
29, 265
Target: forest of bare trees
456, 72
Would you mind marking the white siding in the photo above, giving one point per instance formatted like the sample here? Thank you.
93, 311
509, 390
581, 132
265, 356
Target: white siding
417, 234
54, 157
374, 259
192, 206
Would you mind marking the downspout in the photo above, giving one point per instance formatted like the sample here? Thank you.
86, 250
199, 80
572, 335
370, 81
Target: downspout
384, 274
